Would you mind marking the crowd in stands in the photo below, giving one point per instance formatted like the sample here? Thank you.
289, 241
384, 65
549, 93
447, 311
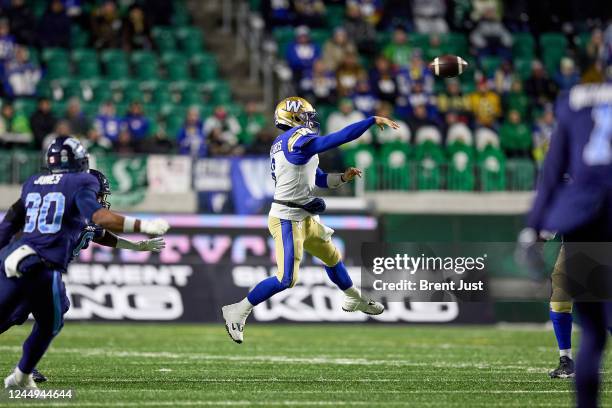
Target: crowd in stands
356, 57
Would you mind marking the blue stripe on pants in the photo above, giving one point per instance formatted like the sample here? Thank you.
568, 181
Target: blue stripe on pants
57, 303
288, 252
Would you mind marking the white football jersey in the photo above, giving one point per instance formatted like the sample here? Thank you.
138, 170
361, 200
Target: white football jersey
293, 173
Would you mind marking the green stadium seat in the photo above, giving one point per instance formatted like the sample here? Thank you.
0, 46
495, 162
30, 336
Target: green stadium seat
554, 47
176, 66
101, 89
145, 65
86, 62
492, 169
581, 40
490, 65
53, 54
283, 36
191, 96
455, 43
59, 108
420, 41
383, 38
190, 39
523, 45
115, 64
334, 16
460, 168
58, 64
521, 174
164, 39
204, 67
132, 93
429, 157
364, 158
78, 37
221, 93
395, 166
522, 66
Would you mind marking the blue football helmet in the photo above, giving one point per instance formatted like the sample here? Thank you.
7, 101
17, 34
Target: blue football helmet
67, 155
105, 190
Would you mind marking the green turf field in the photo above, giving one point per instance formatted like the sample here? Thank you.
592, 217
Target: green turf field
116, 365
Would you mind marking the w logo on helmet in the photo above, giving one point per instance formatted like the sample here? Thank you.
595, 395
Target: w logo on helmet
293, 105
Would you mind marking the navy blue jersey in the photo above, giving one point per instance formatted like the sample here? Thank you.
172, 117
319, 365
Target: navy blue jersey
581, 147
58, 208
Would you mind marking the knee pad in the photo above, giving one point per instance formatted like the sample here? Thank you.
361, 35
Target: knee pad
561, 307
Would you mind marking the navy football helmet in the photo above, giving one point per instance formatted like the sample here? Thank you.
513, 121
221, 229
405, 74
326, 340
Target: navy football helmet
67, 155
105, 190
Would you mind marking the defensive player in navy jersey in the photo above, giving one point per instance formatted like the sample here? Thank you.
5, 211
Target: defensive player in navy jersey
581, 210
294, 217
53, 217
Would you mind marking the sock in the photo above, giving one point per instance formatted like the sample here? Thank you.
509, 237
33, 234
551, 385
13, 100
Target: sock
245, 305
20, 376
565, 353
562, 324
339, 275
34, 348
352, 292
264, 290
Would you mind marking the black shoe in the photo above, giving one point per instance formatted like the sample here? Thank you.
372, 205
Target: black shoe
38, 377
565, 369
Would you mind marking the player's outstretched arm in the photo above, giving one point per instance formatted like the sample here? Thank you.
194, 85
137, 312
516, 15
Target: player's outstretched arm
334, 180
348, 134
114, 241
117, 223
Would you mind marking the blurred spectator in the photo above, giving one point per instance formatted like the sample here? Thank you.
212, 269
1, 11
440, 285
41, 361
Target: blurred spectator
337, 47
14, 123
79, 124
310, 12
594, 74
542, 132
302, 53
54, 26
490, 37
106, 25
567, 76
107, 122
434, 47
7, 41
359, 31
454, 127
319, 84
277, 12
485, 104
262, 144
539, 87
415, 71
429, 16
364, 99
253, 123
418, 96
420, 118
371, 10
515, 137
159, 12
348, 73
191, 138
222, 131
136, 30
593, 51
454, 100
96, 143
399, 50
482, 8
136, 122
517, 100
503, 77
42, 122
125, 144
396, 13
383, 80
388, 134
22, 22
21, 77
62, 128
344, 116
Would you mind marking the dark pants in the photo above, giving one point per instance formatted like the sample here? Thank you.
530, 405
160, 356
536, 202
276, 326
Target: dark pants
41, 293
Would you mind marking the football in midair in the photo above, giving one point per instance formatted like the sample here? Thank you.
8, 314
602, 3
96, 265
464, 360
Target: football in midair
448, 66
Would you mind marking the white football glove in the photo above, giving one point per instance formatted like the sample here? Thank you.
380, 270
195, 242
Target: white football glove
152, 245
157, 226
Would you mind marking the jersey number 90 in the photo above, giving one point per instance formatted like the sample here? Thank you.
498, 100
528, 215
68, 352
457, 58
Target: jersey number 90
38, 211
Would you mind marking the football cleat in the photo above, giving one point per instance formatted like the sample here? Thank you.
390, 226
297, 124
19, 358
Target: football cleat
235, 319
38, 376
367, 306
26, 383
565, 369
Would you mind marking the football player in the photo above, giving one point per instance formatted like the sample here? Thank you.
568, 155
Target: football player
58, 214
581, 211
293, 220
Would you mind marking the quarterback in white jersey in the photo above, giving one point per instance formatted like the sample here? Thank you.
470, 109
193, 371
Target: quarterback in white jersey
293, 220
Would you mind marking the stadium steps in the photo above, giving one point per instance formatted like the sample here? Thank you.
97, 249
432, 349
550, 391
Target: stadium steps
207, 16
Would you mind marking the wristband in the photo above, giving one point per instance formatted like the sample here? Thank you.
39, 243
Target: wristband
128, 224
335, 180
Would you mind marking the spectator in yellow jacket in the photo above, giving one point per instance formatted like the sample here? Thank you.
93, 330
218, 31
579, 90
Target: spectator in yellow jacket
485, 105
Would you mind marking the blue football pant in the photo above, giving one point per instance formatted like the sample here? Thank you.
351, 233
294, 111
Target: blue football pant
44, 295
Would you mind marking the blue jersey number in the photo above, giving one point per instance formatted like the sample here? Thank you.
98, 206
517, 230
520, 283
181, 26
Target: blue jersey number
273, 169
38, 212
598, 151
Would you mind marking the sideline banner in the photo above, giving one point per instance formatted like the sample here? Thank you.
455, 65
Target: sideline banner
212, 260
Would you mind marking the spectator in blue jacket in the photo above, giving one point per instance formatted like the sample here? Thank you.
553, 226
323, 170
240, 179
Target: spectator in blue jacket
7, 42
364, 99
302, 53
21, 77
136, 122
191, 138
108, 123
567, 76
54, 26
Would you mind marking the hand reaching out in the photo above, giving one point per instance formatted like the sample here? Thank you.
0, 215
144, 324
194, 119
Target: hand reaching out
381, 122
350, 173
